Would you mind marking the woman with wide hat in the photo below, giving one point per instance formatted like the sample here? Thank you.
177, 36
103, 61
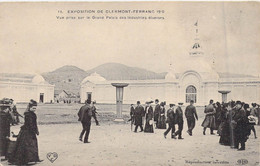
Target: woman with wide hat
26, 149
162, 118
148, 117
5, 120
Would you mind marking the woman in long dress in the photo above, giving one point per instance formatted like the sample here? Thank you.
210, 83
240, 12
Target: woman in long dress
148, 117
224, 128
26, 149
162, 118
217, 115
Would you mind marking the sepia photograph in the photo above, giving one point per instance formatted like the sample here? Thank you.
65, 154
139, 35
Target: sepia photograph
150, 83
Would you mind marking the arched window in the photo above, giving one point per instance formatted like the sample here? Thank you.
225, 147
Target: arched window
191, 94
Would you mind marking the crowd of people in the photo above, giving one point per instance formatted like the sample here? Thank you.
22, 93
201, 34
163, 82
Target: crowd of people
233, 121
160, 117
25, 149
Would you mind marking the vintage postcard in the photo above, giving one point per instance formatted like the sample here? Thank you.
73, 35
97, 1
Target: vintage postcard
129, 83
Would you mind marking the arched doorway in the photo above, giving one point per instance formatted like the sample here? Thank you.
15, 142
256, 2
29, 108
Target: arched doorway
191, 94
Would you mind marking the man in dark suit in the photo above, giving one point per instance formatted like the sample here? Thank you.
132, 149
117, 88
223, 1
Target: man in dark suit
132, 111
171, 122
190, 112
179, 120
94, 112
156, 112
240, 126
85, 114
139, 114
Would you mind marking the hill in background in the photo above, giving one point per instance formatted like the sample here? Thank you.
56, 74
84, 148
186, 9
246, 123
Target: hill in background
69, 77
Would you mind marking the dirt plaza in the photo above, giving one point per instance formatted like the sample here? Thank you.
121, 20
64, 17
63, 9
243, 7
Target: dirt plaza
115, 144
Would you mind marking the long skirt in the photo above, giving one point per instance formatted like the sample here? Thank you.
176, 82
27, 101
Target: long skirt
224, 132
26, 149
209, 122
162, 123
148, 128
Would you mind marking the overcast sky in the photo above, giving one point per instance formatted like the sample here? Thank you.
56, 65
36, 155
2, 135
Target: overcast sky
33, 40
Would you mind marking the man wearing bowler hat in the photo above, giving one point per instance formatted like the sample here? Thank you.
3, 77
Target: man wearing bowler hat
85, 114
179, 120
239, 124
156, 112
139, 114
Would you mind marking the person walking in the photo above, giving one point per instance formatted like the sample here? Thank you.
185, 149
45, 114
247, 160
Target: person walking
253, 116
179, 120
139, 114
85, 114
148, 128
156, 113
209, 121
240, 125
26, 149
132, 111
191, 114
171, 122
162, 118
94, 112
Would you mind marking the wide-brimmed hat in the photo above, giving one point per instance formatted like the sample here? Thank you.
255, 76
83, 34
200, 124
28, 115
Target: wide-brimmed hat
149, 102
171, 105
180, 103
238, 102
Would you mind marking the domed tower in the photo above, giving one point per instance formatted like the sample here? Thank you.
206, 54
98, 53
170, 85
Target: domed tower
170, 76
197, 77
196, 48
38, 79
88, 86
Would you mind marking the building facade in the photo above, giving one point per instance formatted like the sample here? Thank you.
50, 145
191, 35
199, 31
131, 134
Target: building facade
23, 87
196, 80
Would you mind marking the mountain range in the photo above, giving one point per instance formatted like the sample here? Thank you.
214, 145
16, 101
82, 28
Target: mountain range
68, 77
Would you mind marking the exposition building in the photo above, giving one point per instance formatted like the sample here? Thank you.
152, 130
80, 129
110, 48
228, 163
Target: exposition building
196, 79
23, 87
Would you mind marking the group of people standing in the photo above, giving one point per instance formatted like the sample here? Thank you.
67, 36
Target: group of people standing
160, 117
233, 122
25, 149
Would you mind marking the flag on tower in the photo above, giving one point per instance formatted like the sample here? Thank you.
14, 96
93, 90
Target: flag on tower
196, 24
